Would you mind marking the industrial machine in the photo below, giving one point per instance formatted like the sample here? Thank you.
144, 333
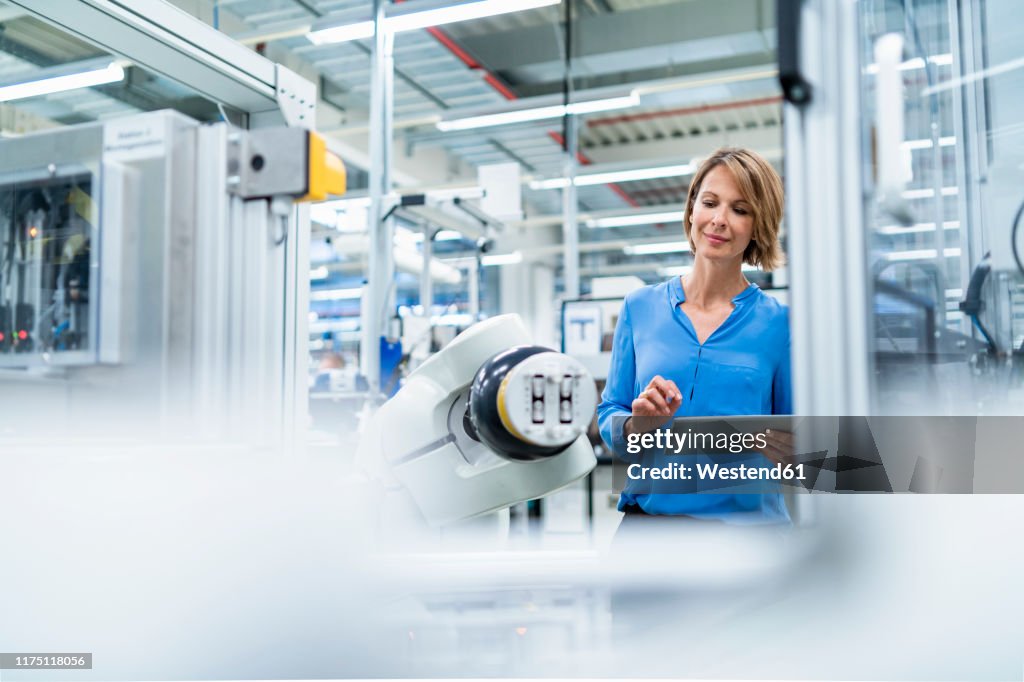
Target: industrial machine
903, 172
153, 272
487, 422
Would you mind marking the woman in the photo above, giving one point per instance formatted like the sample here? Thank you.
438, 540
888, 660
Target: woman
708, 343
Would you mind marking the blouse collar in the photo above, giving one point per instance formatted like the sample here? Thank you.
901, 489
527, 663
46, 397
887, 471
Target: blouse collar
677, 294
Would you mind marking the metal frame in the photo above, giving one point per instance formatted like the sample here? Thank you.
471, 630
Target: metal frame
167, 41
260, 294
380, 265
824, 191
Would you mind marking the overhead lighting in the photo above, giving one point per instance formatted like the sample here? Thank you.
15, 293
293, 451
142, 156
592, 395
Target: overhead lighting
112, 73
928, 193
464, 11
502, 259
917, 63
922, 254
641, 219
927, 144
609, 177
663, 247
336, 294
678, 270
539, 113
917, 227
423, 16
341, 34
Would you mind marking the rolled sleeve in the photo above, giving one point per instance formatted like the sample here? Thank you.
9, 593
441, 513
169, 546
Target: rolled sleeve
617, 400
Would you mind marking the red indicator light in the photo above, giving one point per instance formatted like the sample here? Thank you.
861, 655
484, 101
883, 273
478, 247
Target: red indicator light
2, 337
22, 334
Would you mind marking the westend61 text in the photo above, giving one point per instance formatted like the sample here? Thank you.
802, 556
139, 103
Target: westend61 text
716, 472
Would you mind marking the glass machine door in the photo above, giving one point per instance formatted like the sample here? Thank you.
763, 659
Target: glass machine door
905, 194
943, 136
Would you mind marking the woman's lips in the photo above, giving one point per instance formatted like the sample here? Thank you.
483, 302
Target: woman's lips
715, 240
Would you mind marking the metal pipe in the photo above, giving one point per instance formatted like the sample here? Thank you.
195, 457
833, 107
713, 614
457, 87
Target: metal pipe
426, 281
381, 266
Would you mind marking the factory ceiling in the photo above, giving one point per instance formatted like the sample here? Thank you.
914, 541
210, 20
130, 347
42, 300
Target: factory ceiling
704, 72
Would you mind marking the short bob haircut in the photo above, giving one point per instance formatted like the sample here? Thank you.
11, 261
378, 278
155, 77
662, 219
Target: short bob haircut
761, 187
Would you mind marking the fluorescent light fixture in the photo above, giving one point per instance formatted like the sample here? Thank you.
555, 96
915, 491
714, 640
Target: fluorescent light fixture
927, 144
917, 227
917, 63
609, 177
336, 294
663, 247
641, 219
112, 73
921, 254
928, 193
319, 273
449, 193
341, 34
435, 15
464, 11
539, 113
678, 270
502, 259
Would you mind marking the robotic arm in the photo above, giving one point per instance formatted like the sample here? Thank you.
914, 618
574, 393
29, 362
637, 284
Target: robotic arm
489, 421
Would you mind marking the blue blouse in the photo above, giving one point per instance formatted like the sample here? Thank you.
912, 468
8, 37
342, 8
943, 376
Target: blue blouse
743, 368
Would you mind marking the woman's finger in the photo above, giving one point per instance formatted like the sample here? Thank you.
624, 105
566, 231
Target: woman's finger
644, 407
666, 388
655, 397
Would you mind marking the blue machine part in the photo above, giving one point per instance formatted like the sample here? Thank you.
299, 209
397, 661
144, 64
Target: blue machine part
390, 358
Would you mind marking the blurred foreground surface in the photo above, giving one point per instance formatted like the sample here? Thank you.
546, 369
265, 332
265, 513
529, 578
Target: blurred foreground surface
198, 563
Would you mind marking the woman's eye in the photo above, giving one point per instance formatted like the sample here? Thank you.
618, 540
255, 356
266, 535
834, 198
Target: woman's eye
708, 204
741, 211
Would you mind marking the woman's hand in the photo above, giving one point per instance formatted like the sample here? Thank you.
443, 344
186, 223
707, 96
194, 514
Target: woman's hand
654, 405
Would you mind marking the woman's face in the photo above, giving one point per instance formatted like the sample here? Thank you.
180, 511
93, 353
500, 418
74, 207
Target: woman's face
722, 222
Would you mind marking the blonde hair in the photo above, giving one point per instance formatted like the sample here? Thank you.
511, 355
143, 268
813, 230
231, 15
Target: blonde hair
761, 187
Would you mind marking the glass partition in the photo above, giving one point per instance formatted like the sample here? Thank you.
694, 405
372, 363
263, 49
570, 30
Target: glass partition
943, 143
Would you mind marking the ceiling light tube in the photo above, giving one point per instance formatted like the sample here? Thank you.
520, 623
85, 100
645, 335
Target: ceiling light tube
422, 15
502, 259
463, 11
609, 177
663, 247
341, 34
676, 270
336, 294
112, 73
538, 113
640, 219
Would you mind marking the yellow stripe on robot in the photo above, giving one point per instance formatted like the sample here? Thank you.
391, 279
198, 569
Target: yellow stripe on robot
506, 421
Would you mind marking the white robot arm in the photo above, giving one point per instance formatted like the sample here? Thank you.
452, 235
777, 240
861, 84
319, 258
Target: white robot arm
487, 422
